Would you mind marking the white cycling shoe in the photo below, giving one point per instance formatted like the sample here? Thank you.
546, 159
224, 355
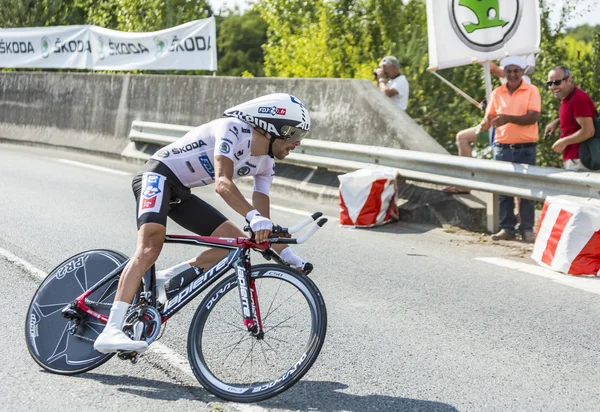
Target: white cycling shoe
161, 292
113, 340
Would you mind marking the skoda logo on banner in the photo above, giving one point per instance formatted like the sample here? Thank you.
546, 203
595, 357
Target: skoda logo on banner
485, 25
100, 48
45, 47
160, 46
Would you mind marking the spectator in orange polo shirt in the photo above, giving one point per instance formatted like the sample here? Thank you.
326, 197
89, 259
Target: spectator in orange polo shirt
514, 109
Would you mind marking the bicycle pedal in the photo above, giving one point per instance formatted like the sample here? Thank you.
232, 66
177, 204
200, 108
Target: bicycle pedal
133, 356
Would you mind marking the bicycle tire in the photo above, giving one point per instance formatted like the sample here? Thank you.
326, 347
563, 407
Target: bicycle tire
47, 332
206, 356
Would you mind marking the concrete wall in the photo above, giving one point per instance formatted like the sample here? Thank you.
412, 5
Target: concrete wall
95, 111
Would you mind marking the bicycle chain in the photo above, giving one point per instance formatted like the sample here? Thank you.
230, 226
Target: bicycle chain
85, 338
93, 303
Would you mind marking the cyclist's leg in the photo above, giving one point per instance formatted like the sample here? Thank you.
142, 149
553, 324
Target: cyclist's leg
214, 224
197, 216
151, 237
153, 197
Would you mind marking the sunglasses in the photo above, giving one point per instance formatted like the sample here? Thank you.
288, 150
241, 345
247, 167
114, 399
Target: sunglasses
293, 134
556, 82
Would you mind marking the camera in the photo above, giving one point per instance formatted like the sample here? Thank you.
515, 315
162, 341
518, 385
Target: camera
375, 76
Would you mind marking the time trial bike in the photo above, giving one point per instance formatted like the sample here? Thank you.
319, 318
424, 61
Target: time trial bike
253, 336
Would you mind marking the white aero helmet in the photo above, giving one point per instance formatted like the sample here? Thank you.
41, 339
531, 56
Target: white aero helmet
280, 114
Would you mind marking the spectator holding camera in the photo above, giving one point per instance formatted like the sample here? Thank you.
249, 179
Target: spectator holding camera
391, 82
575, 117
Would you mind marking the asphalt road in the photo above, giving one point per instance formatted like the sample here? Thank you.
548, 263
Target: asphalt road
420, 318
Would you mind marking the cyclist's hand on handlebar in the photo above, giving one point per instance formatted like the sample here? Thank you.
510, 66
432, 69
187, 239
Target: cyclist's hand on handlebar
261, 236
260, 225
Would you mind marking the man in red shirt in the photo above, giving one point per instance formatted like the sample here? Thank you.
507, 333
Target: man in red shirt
575, 117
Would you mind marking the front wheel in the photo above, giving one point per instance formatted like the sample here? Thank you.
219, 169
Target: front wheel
235, 365
66, 346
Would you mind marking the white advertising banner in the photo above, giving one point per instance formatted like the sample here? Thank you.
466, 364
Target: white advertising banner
46, 47
190, 46
462, 32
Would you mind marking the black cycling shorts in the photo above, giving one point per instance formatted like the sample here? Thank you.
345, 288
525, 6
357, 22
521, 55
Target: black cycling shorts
159, 193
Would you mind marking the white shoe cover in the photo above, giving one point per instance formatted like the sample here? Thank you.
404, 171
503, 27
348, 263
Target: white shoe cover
161, 293
113, 340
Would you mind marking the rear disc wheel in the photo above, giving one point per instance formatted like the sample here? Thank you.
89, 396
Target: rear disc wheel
66, 346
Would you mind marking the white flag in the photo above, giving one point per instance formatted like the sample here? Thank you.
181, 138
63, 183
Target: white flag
467, 31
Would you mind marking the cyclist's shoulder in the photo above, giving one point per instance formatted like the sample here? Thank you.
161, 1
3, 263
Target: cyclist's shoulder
232, 131
226, 122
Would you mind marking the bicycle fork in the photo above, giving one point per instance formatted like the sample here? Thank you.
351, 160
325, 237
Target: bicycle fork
249, 299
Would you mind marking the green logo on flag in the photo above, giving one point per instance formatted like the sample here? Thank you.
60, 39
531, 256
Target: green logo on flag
485, 25
487, 14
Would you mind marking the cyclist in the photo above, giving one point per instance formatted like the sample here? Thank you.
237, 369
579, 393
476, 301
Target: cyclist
242, 143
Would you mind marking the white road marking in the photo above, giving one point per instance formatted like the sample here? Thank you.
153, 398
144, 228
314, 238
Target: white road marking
17, 261
89, 166
173, 358
308, 177
586, 283
168, 354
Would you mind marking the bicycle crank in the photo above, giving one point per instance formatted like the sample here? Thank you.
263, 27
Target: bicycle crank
143, 323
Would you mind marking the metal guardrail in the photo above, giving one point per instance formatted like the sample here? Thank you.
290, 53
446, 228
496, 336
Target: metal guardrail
146, 137
504, 178
157, 133
511, 179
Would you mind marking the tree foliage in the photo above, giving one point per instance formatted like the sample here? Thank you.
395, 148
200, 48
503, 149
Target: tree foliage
239, 39
583, 33
124, 15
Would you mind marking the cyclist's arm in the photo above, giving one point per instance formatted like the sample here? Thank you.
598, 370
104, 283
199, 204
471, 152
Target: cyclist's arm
225, 187
262, 203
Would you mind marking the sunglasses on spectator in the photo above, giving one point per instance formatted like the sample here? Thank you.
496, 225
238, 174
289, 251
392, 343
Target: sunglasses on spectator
556, 82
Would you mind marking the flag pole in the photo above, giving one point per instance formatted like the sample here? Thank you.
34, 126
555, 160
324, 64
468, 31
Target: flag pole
457, 90
493, 209
487, 77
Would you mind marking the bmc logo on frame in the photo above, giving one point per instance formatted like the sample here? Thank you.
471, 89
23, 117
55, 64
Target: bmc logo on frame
485, 25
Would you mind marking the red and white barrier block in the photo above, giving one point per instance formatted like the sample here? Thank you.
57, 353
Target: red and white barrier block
368, 197
568, 238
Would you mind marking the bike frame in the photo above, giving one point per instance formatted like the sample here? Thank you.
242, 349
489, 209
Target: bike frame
238, 258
